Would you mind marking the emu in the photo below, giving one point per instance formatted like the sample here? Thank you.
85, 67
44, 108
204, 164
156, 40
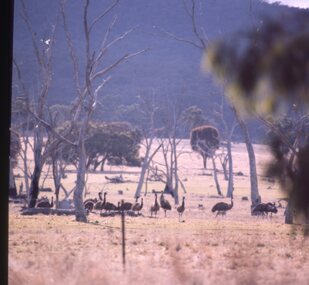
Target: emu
89, 203
125, 206
44, 203
181, 208
138, 206
110, 207
222, 207
264, 208
100, 204
155, 207
165, 205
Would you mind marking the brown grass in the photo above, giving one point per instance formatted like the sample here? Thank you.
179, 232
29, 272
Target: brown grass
236, 249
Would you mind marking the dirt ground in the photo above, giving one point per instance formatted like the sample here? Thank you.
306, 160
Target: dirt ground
201, 249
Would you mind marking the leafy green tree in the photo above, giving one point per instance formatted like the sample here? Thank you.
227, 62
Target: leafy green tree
116, 142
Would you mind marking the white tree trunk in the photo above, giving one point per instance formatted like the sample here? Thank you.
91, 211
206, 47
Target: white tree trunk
80, 213
145, 166
230, 186
216, 176
255, 196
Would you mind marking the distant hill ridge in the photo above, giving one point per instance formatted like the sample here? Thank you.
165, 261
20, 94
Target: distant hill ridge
170, 67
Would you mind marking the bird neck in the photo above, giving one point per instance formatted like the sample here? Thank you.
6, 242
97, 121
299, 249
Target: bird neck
231, 203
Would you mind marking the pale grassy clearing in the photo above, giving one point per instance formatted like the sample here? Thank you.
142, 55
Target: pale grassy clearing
235, 249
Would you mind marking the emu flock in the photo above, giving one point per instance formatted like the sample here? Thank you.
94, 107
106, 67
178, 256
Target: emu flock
101, 204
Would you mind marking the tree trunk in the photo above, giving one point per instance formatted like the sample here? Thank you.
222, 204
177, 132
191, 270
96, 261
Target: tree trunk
230, 187
38, 164
12, 185
224, 164
57, 179
215, 176
176, 196
141, 177
103, 163
147, 159
204, 156
255, 196
34, 187
80, 213
288, 214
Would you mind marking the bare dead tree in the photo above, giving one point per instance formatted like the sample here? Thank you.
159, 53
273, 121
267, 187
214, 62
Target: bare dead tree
227, 133
147, 105
94, 79
255, 196
170, 149
43, 55
193, 8
21, 126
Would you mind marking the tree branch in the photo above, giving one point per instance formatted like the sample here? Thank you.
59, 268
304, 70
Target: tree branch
50, 128
103, 14
116, 63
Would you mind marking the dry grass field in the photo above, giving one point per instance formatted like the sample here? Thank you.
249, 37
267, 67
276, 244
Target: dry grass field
202, 249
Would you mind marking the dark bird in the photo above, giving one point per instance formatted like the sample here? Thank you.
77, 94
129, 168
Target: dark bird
44, 203
222, 207
110, 207
165, 205
125, 206
155, 206
138, 206
101, 203
89, 203
264, 208
181, 208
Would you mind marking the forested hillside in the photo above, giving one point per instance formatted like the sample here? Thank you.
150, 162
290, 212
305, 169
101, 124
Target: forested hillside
168, 68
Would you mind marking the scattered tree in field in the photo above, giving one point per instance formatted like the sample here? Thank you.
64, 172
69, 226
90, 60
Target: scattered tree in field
37, 109
14, 151
115, 142
269, 67
226, 134
199, 40
148, 109
95, 75
171, 148
205, 140
193, 117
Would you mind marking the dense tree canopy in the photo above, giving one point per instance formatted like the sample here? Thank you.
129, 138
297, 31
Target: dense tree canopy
116, 142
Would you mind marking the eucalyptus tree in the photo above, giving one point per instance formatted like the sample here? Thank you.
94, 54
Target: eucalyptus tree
269, 69
199, 40
91, 78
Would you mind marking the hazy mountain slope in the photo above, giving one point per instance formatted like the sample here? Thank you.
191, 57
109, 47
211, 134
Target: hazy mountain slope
169, 67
